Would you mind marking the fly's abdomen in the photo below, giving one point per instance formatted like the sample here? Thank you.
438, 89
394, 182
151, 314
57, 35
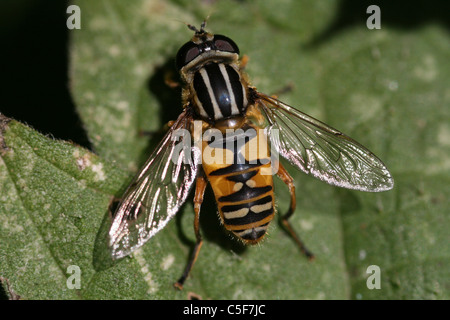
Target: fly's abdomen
242, 182
218, 92
248, 210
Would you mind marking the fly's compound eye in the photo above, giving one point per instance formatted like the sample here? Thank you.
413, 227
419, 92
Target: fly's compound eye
188, 52
223, 43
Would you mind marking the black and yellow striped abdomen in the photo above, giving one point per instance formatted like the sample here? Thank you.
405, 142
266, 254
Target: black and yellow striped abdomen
238, 168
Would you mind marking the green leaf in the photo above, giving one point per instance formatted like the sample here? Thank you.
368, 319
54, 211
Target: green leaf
386, 88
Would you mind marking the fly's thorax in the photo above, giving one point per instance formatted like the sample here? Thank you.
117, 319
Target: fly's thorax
218, 91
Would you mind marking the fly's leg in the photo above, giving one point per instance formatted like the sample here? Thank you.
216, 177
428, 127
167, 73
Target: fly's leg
287, 179
200, 187
170, 80
287, 88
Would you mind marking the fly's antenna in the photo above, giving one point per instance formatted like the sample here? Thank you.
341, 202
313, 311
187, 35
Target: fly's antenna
202, 27
194, 28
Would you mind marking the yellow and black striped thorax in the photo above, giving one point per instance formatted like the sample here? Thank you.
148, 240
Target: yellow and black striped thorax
208, 65
238, 167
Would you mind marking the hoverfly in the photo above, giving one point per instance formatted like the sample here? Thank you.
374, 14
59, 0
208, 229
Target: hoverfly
216, 94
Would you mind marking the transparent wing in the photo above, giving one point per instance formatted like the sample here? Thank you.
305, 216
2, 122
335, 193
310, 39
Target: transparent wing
157, 192
321, 151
